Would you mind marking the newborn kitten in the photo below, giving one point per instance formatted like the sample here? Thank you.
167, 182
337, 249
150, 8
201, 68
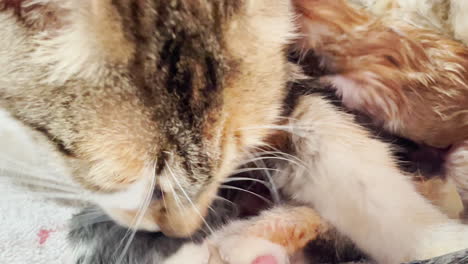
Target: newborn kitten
408, 76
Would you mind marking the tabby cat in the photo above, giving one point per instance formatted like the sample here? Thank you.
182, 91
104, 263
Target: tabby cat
152, 104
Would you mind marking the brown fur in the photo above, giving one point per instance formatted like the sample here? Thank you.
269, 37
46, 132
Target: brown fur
134, 90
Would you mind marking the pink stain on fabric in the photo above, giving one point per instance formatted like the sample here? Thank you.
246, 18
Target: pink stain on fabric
269, 259
43, 235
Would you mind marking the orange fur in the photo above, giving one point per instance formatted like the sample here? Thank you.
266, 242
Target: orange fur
294, 227
412, 80
291, 228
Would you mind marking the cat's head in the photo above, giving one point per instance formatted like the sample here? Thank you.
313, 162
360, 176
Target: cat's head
155, 95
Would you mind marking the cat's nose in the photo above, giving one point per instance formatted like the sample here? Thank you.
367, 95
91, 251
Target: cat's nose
157, 194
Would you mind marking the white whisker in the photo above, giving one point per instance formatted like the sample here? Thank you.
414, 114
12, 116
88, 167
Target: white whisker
48, 195
15, 165
188, 198
237, 179
16, 174
274, 158
247, 191
40, 184
139, 217
225, 200
267, 173
253, 169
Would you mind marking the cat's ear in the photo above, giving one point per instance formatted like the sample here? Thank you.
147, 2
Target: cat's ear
106, 26
90, 37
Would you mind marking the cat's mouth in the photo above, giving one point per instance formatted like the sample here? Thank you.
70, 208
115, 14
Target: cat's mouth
242, 195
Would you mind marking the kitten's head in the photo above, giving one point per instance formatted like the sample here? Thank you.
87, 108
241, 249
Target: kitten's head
155, 95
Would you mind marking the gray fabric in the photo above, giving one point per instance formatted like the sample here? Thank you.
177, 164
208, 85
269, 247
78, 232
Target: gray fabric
103, 242
459, 257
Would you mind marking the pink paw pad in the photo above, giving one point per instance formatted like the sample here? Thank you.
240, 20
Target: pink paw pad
269, 259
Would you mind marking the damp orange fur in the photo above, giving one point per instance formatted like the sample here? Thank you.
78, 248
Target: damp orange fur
292, 228
411, 80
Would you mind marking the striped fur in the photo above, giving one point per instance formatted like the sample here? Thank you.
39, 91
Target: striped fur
137, 94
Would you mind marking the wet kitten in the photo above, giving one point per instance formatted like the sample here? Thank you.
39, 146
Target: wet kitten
399, 67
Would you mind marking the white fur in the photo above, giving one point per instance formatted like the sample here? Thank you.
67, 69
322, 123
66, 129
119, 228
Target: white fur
458, 14
232, 247
190, 253
350, 179
457, 170
130, 198
423, 13
354, 95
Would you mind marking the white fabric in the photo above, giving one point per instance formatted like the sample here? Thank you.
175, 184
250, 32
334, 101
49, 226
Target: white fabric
33, 230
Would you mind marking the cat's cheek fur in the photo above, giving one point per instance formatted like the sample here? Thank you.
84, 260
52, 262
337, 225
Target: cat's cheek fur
123, 206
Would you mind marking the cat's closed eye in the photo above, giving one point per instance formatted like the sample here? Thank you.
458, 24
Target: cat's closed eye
152, 104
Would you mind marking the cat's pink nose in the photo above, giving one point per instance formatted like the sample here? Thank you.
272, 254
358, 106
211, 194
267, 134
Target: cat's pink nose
269, 259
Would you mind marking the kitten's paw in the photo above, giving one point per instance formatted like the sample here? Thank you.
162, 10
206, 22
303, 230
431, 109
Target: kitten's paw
233, 249
251, 250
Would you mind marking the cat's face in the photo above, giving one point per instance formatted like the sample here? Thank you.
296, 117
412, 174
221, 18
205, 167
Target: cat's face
155, 96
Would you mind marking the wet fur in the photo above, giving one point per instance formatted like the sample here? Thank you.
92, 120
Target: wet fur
400, 63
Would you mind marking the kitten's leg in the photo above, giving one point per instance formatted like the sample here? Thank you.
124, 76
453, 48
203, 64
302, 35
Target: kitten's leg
457, 170
352, 181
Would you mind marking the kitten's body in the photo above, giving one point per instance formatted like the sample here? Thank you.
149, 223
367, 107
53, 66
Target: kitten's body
394, 63
153, 105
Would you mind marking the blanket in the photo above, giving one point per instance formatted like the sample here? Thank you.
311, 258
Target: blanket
33, 230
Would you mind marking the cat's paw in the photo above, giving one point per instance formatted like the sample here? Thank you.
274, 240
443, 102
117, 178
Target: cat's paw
250, 250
